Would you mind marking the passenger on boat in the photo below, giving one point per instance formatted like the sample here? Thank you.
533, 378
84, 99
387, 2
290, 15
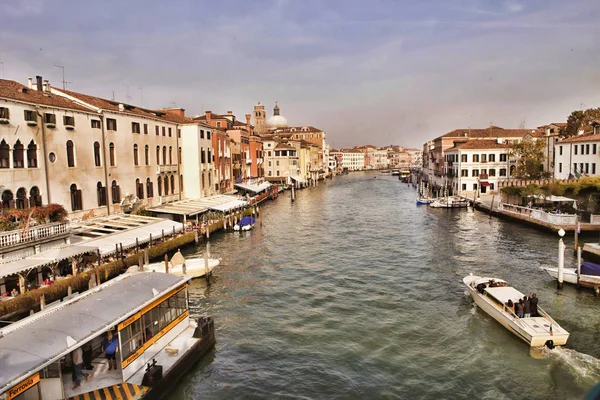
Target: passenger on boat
510, 306
110, 346
533, 301
519, 308
77, 357
493, 283
481, 288
526, 307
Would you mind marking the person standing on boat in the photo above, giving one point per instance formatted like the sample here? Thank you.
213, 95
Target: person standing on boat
77, 357
519, 308
110, 346
533, 301
510, 306
526, 307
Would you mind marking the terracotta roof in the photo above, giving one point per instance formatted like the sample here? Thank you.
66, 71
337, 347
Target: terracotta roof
479, 144
15, 91
491, 132
298, 129
283, 146
589, 137
212, 116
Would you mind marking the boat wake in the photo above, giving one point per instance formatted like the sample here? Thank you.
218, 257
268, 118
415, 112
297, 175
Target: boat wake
584, 368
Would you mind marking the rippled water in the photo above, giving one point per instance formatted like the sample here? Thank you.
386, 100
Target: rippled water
355, 292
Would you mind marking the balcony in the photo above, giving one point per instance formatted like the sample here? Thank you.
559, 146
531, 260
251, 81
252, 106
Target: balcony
166, 168
34, 234
169, 199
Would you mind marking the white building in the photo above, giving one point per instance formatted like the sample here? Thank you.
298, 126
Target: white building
281, 161
578, 155
351, 160
476, 166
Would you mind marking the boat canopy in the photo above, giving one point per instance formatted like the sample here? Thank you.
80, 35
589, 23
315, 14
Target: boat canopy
31, 344
247, 221
588, 268
504, 293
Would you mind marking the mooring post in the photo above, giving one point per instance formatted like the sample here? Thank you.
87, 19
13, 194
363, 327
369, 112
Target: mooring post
137, 245
166, 264
196, 237
140, 263
492, 205
116, 250
69, 292
146, 257
150, 241
42, 302
162, 236
208, 249
576, 244
99, 258
578, 265
561, 258
206, 268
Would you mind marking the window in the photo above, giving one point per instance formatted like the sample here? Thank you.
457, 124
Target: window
593, 149
172, 184
474, 186
277, 163
582, 149
32, 155
21, 202
581, 167
96, 124
208, 134
178, 133
101, 194
136, 161
169, 132
30, 116
164, 155
218, 124
70, 154
157, 130
560, 167
502, 157
76, 200
145, 129
4, 154
277, 173
111, 124
179, 156
464, 172
36, 199
115, 192
502, 171
475, 172
492, 172
483, 172
269, 163
560, 150
149, 188
139, 187
111, 154
157, 155
160, 185
593, 168
202, 155
146, 155
135, 127
201, 134
475, 158
574, 167
170, 155
7, 199
492, 157
587, 168
18, 155
575, 150
464, 186
50, 119
269, 173
163, 131
166, 182
4, 113
483, 158
69, 121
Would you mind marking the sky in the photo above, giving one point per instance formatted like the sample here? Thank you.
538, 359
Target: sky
366, 72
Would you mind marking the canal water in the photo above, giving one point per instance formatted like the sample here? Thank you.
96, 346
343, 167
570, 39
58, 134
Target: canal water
353, 291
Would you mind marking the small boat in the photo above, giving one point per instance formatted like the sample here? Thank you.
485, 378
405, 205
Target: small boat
424, 201
589, 273
450, 202
245, 224
396, 172
195, 267
491, 295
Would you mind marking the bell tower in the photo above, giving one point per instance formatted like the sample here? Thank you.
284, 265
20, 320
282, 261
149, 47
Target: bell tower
260, 119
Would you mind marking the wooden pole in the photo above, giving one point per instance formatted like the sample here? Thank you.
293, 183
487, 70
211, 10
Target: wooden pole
166, 264
146, 257
42, 302
137, 245
99, 258
206, 268
150, 241
196, 239
208, 249
140, 263
492, 205
576, 244
74, 266
578, 265
116, 250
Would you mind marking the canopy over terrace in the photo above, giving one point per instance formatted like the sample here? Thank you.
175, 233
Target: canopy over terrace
47, 257
190, 208
554, 199
254, 188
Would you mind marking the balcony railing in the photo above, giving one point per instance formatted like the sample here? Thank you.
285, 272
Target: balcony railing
539, 215
35, 233
166, 168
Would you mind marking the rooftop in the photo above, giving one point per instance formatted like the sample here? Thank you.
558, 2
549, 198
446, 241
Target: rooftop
15, 91
479, 144
491, 132
588, 137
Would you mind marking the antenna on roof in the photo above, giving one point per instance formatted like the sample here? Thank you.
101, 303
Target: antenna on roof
63, 79
113, 97
128, 97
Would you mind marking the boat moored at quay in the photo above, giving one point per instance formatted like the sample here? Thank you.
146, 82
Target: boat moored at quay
147, 312
491, 295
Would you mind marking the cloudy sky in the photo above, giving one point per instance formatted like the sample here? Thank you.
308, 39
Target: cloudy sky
378, 72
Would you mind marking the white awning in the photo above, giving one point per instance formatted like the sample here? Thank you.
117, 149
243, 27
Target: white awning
552, 198
230, 205
220, 203
250, 187
298, 178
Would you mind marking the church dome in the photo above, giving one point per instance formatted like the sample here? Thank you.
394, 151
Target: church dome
276, 121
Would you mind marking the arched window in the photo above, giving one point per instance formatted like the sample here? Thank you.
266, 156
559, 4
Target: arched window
22, 202
7, 199
139, 187
76, 203
149, 188
97, 154
170, 155
35, 200
160, 185
157, 155
180, 183
101, 194
146, 156
32, 155
164, 155
179, 156
172, 184
4, 151
70, 154
136, 161
18, 152
116, 192
111, 153
166, 182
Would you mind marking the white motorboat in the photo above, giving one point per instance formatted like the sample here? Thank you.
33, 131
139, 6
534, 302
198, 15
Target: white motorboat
537, 331
196, 267
449, 202
245, 224
589, 274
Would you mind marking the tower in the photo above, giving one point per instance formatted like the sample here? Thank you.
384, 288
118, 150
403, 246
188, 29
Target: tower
260, 119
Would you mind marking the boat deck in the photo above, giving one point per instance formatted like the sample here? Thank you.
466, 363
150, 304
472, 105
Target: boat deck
124, 391
100, 378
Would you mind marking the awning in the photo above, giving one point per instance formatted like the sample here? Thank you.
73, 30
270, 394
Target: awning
298, 178
484, 184
553, 198
249, 187
14, 267
222, 203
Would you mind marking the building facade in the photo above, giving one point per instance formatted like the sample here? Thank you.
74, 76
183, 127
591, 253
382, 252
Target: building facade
578, 155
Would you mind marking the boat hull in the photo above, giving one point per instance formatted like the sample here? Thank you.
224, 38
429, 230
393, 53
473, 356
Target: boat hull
523, 328
193, 266
570, 276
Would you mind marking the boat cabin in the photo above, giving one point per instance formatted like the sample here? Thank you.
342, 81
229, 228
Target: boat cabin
147, 312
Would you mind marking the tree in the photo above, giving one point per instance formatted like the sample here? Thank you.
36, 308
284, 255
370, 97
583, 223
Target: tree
581, 120
530, 159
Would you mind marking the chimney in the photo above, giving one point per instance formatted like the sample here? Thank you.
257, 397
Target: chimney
229, 112
248, 116
580, 132
207, 113
46, 85
30, 83
121, 107
38, 80
499, 140
174, 111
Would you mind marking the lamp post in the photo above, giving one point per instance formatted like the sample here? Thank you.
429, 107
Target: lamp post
561, 258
